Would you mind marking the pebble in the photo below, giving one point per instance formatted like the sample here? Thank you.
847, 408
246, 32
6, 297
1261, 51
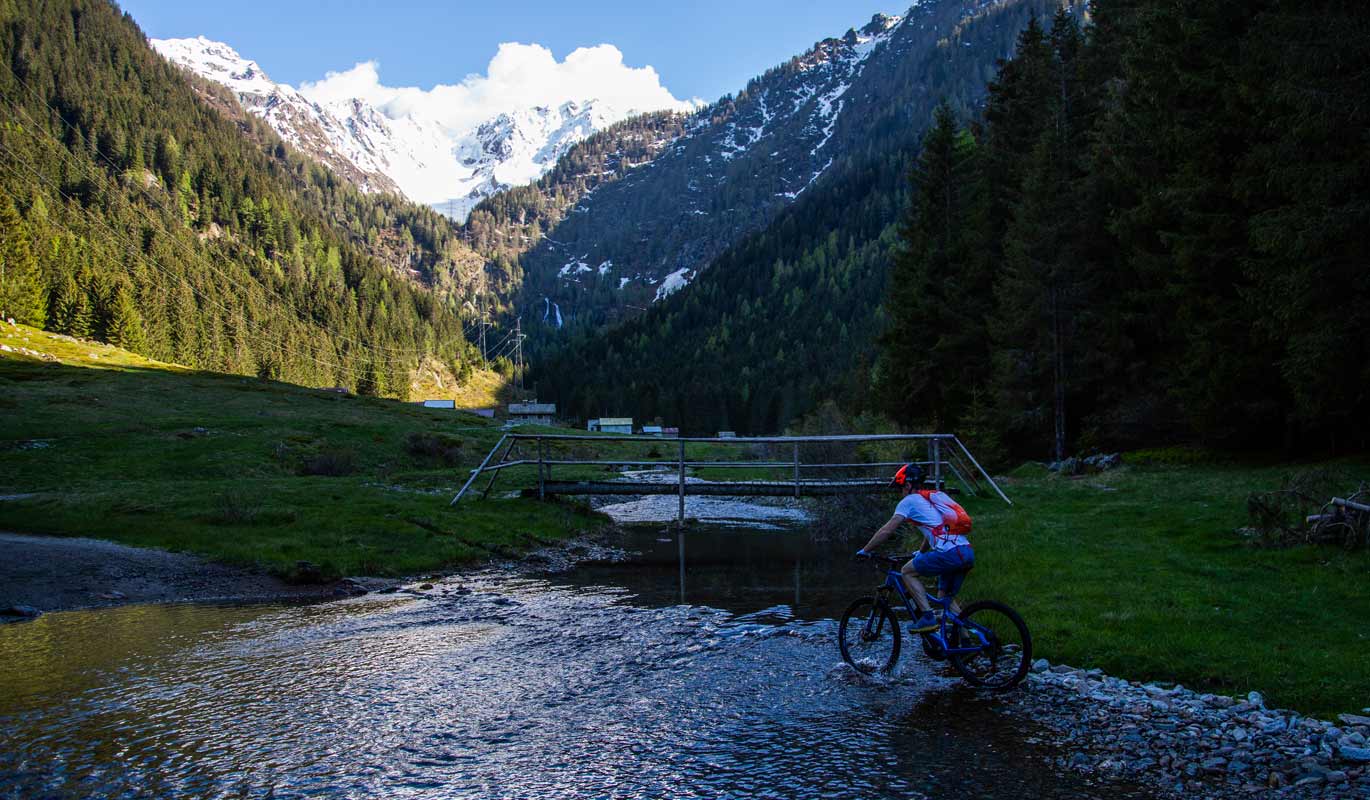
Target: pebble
21, 610
1196, 745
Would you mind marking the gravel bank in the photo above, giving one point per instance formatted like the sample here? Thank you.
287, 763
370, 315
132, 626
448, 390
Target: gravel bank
1196, 745
51, 573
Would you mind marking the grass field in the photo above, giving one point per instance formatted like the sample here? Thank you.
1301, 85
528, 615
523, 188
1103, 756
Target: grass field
1140, 572
104, 443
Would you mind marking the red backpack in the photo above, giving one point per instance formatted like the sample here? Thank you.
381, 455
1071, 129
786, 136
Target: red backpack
961, 525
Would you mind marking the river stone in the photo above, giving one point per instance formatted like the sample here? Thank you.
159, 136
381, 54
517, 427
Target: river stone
1041, 665
1355, 719
1356, 755
1255, 699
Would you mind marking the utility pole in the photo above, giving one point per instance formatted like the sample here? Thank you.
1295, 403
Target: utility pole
484, 324
518, 346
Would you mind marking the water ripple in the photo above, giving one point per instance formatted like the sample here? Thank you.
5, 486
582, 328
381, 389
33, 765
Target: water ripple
490, 687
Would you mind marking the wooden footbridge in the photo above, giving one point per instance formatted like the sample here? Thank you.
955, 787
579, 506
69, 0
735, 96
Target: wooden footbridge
833, 465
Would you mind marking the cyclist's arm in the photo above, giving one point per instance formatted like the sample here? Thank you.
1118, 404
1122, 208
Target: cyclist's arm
885, 532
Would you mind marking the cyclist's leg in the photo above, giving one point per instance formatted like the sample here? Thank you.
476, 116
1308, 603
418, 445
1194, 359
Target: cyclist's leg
915, 587
948, 586
949, 583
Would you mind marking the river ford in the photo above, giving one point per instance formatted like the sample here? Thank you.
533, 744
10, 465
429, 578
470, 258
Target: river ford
639, 679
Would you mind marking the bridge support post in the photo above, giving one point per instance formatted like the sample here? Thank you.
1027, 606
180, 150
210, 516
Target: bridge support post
542, 473
796, 469
936, 445
681, 519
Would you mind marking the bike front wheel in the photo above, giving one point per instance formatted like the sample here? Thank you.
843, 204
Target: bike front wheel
868, 636
1003, 645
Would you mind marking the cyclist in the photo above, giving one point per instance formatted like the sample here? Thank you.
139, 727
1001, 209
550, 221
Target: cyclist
945, 552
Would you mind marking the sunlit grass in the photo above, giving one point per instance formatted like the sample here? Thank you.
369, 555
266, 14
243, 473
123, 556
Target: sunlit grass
1140, 572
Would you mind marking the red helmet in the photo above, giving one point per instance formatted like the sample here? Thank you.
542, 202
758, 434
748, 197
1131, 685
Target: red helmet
909, 474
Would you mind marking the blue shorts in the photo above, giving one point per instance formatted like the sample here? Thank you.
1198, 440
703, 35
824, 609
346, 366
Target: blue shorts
949, 566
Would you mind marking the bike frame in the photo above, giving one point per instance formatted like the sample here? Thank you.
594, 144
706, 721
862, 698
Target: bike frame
894, 581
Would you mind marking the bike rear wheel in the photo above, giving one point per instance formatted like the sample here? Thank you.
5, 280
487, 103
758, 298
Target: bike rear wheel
1005, 646
868, 636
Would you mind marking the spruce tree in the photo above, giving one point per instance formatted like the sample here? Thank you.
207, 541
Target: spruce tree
125, 325
23, 295
933, 310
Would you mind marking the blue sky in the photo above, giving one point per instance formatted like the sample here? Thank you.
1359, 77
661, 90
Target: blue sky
701, 48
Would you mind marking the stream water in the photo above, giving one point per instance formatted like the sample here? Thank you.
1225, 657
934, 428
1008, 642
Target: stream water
601, 683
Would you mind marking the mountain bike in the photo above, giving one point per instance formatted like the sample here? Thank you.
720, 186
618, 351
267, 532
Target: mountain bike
987, 642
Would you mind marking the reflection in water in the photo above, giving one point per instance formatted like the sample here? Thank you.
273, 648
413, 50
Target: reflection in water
519, 688
736, 569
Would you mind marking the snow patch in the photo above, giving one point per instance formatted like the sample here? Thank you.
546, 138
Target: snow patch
673, 283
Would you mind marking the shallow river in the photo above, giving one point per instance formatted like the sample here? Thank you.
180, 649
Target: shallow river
597, 684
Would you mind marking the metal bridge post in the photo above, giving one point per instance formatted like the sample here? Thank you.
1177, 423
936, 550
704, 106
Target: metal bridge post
681, 518
476, 474
796, 469
542, 475
937, 462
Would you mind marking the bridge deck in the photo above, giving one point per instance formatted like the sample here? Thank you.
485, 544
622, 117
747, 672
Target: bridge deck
711, 488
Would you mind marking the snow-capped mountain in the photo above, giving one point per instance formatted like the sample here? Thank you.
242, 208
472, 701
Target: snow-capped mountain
736, 164
420, 158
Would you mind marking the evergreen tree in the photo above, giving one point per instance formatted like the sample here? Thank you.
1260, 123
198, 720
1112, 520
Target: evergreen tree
23, 294
124, 327
936, 302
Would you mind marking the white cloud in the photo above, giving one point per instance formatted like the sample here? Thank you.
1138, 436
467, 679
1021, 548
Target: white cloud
519, 76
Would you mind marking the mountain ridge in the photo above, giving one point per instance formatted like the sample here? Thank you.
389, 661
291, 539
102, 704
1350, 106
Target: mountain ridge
404, 154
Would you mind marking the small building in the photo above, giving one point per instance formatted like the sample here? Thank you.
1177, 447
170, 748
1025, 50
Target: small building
611, 425
670, 433
651, 430
727, 434
533, 413
449, 404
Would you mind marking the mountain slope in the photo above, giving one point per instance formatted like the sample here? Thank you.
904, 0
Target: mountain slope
788, 314
450, 170
743, 160
150, 211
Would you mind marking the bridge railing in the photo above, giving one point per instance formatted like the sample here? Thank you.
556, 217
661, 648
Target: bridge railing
947, 457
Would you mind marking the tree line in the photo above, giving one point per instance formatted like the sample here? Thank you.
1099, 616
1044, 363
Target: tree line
142, 206
1154, 233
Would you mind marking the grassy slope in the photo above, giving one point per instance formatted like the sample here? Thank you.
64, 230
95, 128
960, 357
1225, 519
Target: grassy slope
434, 381
1139, 572
106, 443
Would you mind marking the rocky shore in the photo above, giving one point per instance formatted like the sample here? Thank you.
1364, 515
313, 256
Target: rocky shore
1189, 744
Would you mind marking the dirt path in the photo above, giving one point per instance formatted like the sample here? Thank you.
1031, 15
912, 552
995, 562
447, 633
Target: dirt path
52, 573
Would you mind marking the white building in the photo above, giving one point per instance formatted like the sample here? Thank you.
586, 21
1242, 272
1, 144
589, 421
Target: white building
611, 425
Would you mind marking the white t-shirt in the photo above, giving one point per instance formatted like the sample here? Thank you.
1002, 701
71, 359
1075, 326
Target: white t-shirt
932, 520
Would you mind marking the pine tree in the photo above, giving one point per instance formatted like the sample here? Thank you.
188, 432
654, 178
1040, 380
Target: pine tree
935, 306
23, 294
125, 325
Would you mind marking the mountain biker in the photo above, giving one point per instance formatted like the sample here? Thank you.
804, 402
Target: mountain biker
945, 553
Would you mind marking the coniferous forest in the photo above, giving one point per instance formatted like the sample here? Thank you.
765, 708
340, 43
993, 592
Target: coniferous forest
143, 207
1151, 231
